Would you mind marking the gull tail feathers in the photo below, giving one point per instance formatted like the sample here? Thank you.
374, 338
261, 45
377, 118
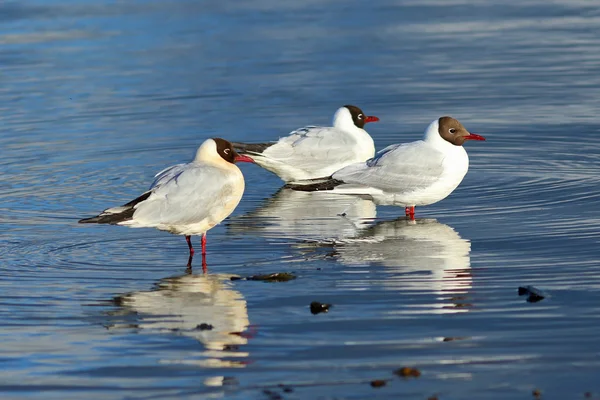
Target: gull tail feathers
116, 215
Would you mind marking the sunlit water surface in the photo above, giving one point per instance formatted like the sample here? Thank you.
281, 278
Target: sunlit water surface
96, 97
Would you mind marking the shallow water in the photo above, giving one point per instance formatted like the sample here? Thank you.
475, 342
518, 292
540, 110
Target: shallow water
96, 97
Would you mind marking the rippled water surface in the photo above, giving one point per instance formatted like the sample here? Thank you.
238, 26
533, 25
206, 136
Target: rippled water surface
96, 97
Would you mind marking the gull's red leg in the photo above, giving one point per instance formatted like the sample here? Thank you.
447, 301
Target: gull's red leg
204, 243
410, 212
189, 242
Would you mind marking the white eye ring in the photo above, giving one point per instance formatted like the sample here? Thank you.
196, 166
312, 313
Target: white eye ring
226, 151
360, 116
452, 130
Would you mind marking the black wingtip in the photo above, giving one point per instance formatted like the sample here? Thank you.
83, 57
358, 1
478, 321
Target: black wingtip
243, 148
328, 184
92, 220
124, 215
111, 219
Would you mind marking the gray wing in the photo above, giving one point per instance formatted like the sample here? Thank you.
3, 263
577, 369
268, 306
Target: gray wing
314, 147
396, 169
187, 194
167, 174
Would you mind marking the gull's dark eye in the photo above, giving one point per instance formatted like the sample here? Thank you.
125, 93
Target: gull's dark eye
360, 116
452, 131
227, 151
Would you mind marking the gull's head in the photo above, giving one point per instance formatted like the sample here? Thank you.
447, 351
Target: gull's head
350, 116
449, 130
218, 150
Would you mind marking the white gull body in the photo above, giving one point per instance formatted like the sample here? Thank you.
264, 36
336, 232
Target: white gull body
186, 199
412, 174
190, 199
316, 151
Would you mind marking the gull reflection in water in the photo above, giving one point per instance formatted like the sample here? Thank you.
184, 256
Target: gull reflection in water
312, 216
425, 255
203, 307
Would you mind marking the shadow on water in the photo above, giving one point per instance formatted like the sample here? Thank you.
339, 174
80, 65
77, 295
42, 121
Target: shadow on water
311, 216
97, 96
204, 307
423, 255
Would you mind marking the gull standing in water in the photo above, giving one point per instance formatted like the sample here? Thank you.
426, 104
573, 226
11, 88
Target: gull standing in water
411, 174
316, 151
186, 199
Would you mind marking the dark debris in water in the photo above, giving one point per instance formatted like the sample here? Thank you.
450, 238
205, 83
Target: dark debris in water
317, 308
274, 277
407, 372
533, 294
452, 339
204, 327
272, 395
286, 389
537, 393
377, 383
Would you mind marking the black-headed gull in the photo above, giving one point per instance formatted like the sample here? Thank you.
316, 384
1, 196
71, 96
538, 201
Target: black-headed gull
316, 151
186, 199
412, 174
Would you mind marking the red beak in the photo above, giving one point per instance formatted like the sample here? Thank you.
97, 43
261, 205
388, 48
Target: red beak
474, 136
371, 118
243, 158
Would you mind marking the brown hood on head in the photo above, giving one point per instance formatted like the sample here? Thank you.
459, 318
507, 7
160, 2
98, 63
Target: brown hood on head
359, 118
454, 132
227, 152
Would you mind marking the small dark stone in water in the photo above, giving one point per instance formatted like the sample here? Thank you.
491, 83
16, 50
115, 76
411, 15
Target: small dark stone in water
274, 277
452, 339
230, 347
407, 372
230, 381
342, 214
272, 395
317, 308
533, 294
286, 389
204, 327
377, 383
118, 301
588, 395
537, 393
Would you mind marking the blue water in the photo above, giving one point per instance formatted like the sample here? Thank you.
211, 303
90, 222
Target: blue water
96, 97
